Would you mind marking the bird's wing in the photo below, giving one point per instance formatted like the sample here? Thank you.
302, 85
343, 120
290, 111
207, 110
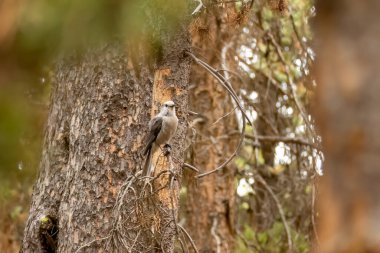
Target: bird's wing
155, 128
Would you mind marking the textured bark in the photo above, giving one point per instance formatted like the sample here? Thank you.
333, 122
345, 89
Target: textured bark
211, 200
348, 109
100, 108
210, 203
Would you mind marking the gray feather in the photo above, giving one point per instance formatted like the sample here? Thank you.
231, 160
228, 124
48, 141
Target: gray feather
155, 128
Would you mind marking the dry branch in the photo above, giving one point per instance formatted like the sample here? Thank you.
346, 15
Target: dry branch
189, 238
225, 83
280, 209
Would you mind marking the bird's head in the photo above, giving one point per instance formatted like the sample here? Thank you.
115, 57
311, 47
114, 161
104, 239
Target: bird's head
168, 107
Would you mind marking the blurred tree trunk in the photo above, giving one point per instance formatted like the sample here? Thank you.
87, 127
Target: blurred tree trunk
211, 202
100, 107
348, 110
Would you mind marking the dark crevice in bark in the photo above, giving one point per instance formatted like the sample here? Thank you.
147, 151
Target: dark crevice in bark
48, 233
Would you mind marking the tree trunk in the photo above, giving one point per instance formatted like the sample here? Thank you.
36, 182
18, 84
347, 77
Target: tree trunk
211, 201
89, 196
348, 109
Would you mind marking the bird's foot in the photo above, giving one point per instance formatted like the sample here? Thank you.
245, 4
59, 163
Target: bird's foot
167, 149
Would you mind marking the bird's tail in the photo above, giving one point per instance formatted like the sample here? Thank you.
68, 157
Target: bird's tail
147, 170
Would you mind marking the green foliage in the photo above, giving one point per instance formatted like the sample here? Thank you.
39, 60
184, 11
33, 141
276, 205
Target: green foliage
272, 240
279, 43
280, 76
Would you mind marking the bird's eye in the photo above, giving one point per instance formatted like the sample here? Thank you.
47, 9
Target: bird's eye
166, 105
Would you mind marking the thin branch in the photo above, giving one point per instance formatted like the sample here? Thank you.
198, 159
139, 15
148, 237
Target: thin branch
199, 7
228, 2
261, 116
283, 139
231, 1
186, 165
224, 116
196, 121
268, 76
182, 245
193, 113
299, 37
313, 214
222, 81
184, 239
189, 238
248, 244
270, 81
234, 96
91, 242
172, 203
231, 157
280, 210
226, 74
291, 83
275, 138
134, 242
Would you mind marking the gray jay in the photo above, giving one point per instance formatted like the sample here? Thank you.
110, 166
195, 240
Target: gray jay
161, 129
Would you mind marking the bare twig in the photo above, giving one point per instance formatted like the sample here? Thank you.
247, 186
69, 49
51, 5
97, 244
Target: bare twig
291, 83
268, 76
193, 113
189, 238
299, 37
186, 165
226, 73
183, 240
248, 244
230, 158
224, 116
91, 242
134, 242
280, 210
231, 72
199, 7
224, 82
313, 214
121, 194
226, 2
196, 121
172, 204
182, 245
283, 139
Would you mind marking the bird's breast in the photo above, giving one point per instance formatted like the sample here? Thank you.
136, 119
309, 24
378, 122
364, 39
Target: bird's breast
168, 129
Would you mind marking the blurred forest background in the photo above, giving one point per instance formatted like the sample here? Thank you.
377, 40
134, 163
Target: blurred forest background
262, 47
